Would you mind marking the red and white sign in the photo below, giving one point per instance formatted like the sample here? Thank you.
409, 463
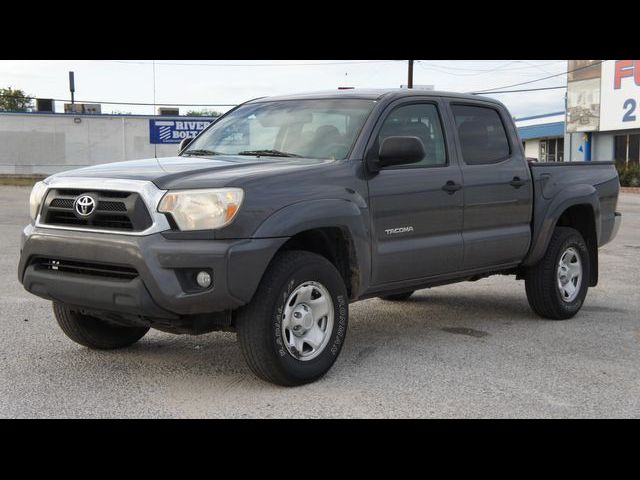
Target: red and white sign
620, 95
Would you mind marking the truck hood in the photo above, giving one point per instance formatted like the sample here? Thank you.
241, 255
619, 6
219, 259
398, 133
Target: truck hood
194, 172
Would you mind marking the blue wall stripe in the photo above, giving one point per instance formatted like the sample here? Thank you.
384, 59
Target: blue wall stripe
541, 131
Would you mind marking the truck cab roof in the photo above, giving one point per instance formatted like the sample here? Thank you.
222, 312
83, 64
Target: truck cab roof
373, 94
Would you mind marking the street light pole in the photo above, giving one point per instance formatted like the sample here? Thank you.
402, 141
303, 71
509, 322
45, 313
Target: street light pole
410, 75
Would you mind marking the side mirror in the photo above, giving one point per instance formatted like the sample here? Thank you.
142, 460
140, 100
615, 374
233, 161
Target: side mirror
400, 151
184, 144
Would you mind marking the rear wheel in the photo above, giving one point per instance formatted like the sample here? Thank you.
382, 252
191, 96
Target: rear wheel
293, 330
557, 286
93, 332
397, 297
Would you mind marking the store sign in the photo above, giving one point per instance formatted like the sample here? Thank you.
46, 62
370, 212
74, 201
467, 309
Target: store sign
620, 95
174, 131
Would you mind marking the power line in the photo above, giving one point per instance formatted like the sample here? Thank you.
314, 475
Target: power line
360, 62
481, 71
131, 103
488, 90
503, 66
235, 104
539, 67
457, 71
521, 90
475, 70
480, 92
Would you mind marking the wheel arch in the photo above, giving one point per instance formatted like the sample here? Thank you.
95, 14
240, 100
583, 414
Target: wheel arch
577, 207
336, 229
582, 218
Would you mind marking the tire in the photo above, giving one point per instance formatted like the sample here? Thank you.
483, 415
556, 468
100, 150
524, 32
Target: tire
544, 293
93, 332
264, 326
397, 297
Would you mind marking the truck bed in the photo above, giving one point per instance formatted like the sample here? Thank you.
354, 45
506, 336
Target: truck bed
557, 185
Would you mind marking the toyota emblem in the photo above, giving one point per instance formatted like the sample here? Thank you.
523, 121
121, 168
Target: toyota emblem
84, 205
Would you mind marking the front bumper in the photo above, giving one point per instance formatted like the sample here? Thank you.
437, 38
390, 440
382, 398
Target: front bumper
157, 291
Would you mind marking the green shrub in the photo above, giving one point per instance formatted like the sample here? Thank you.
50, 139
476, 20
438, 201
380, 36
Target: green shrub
629, 175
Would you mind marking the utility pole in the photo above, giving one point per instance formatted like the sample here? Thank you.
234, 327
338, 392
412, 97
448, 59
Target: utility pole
410, 75
72, 86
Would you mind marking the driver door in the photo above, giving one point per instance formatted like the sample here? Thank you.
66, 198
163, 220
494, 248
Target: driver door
416, 209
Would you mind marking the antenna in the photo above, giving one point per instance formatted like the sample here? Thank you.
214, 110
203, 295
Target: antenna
155, 147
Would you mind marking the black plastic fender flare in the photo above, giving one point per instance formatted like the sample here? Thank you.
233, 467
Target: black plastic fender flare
546, 217
326, 213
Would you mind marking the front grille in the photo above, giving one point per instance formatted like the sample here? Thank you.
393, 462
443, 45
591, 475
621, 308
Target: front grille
86, 268
115, 210
111, 206
104, 206
62, 203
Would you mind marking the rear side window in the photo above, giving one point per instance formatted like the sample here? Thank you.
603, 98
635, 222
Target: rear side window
482, 136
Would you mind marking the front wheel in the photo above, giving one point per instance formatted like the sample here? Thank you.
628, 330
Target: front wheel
293, 329
557, 286
94, 332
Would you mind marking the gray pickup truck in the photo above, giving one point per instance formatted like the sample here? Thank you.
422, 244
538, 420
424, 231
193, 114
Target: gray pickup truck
286, 209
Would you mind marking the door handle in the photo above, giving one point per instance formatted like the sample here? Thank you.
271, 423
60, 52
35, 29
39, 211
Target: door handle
451, 187
517, 182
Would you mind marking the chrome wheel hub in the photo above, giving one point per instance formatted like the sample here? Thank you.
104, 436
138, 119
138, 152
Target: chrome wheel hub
307, 320
302, 319
569, 274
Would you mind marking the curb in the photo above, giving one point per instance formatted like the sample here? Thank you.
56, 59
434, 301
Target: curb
630, 189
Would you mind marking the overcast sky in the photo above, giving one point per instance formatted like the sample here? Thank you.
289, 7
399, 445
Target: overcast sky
232, 82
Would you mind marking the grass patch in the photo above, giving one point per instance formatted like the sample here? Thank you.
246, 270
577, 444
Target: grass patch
18, 181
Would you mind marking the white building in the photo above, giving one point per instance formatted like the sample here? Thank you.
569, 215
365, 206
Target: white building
44, 143
543, 136
603, 116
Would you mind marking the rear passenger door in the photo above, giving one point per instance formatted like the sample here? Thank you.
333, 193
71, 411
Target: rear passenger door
497, 186
416, 209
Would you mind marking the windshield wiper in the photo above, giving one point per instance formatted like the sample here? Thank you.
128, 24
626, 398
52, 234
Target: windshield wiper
201, 152
267, 153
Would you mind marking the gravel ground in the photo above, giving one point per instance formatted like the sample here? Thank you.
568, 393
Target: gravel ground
464, 350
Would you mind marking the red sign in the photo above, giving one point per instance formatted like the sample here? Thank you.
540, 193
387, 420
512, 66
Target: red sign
626, 68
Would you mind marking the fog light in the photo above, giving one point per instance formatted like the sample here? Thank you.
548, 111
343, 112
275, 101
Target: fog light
204, 279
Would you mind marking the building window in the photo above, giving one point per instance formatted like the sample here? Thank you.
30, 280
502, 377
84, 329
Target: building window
551, 150
627, 149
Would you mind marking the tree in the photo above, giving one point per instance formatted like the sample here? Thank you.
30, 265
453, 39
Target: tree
203, 113
14, 100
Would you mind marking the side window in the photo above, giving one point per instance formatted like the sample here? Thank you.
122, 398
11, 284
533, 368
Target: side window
418, 120
482, 136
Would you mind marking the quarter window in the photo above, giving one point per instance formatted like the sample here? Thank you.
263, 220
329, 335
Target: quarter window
417, 120
482, 136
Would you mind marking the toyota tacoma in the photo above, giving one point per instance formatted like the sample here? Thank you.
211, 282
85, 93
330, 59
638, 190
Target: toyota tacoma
286, 209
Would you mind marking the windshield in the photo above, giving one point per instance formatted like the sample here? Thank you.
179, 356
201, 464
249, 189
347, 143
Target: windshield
325, 129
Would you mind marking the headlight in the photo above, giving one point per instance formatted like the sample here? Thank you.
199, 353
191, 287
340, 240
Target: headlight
202, 209
35, 200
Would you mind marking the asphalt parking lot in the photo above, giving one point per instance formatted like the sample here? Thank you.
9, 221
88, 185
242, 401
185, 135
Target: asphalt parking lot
465, 350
